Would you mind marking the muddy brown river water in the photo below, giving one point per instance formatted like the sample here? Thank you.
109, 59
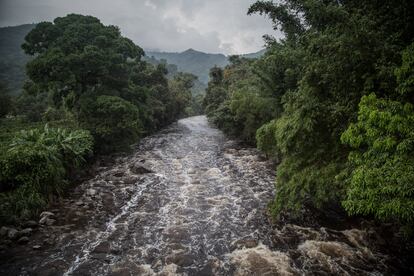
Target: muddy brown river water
187, 201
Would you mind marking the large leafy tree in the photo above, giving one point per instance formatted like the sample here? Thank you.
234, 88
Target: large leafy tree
381, 179
76, 53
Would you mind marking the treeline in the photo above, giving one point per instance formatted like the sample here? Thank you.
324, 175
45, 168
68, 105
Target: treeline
89, 92
332, 102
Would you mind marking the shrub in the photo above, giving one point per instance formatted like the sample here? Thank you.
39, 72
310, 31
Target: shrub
36, 165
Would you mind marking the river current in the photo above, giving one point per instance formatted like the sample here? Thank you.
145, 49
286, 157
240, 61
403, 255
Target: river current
187, 201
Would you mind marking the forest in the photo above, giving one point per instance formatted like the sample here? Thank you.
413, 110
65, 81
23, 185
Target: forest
331, 103
122, 157
89, 93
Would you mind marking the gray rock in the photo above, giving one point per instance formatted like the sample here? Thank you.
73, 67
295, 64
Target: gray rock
47, 214
103, 247
23, 240
26, 232
140, 168
46, 221
13, 234
4, 231
91, 192
30, 224
101, 257
36, 247
180, 259
50, 221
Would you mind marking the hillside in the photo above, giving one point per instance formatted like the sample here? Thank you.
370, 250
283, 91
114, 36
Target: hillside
12, 57
192, 61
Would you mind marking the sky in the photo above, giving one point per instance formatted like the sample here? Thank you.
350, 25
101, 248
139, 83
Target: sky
213, 26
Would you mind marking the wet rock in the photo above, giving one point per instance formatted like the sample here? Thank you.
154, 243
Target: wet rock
23, 240
140, 168
12, 234
101, 257
180, 259
103, 247
91, 192
119, 174
47, 221
46, 218
30, 224
130, 180
47, 214
26, 232
79, 203
245, 243
4, 231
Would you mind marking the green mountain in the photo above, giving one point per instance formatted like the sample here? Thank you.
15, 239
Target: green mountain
254, 55
12, 57
196, 62
192, 61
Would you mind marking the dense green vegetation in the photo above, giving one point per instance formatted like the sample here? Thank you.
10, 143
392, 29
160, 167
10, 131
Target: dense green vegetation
332, 102
89, 91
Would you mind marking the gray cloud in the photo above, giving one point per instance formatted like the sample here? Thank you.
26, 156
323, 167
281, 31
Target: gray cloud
216, 26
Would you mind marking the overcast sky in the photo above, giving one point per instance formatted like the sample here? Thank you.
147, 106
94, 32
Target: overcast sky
214, 26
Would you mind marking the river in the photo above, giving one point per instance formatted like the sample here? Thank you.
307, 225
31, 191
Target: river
187, 201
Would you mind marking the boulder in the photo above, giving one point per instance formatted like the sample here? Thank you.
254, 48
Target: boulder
26, 232
4, 231
30, 224
103, 247
91, 192
46, 221
140, 168
47, 214
23, 240
12, 234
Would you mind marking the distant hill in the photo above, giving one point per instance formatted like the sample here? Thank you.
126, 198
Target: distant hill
12, 57
198, 88
196, 62
255, 55
192, 61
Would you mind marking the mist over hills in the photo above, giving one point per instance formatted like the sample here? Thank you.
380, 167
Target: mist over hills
192, 61
13, 59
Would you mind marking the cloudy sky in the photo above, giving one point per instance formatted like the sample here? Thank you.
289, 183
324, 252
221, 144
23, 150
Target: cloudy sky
214, 26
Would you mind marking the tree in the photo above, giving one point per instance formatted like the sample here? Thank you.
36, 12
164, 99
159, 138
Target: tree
381, 179
5, 101
77, 53
113, 121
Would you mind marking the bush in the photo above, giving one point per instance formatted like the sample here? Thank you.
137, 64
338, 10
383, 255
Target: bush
113, 121
36, 165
